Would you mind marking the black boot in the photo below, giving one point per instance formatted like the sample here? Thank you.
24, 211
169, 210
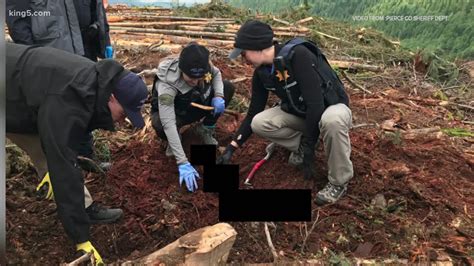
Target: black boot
101, 215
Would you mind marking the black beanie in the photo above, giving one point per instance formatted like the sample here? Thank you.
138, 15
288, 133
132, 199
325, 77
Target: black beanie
253, 35
194, 60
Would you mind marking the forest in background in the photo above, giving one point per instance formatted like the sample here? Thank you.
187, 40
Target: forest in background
444, 27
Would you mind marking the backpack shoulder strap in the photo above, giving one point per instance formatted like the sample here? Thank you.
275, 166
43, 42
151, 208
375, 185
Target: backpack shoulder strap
285, 51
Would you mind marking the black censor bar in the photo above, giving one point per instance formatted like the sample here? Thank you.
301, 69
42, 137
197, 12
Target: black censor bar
237, 205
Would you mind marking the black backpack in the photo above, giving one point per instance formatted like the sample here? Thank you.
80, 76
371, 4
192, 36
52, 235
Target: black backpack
332, 86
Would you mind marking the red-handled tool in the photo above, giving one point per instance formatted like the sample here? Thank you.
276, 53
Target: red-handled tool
269, 149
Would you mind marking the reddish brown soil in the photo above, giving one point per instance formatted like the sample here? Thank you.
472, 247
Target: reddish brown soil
427, 183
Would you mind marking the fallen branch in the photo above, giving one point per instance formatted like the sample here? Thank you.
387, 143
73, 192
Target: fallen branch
84, 258
281, 21
355, 84
89, 165
236, 80
327, 35
202, 107
364, 125
301, 21
210, 108
148, 72
463, 106
309, 233
270, 243
354, 65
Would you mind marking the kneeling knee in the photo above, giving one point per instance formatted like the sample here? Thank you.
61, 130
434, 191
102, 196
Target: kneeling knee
333, 123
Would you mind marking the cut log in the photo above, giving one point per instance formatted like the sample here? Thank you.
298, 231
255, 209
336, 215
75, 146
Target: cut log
132, 23
139, 18
208, 33
177, 32
206, 246
111, 18
301, 21
157, 37
143, 35
207, 28
290, 29
327, 35
425, 133
354, 66
281, 21
169, 48
122, 7
159, 17
205, 42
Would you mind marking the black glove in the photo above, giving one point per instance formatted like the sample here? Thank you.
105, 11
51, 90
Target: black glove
225, 158
308, 160
93, 30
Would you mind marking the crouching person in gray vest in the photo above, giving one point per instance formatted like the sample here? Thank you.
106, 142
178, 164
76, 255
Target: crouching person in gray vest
179, 83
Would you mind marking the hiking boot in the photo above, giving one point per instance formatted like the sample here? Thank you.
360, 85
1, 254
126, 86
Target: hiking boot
169, 152
105, 166
101, 215
330, 194
296, 158
206, 133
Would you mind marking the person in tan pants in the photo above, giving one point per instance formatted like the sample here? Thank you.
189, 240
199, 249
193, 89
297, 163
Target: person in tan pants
313, 104
31, 144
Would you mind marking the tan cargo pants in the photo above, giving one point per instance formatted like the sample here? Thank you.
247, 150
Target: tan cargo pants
286, 130
31, 144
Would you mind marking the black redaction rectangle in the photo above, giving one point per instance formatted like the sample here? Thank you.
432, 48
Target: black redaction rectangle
276, 205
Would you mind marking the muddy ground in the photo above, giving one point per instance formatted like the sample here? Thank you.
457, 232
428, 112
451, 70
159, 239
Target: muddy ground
409, 198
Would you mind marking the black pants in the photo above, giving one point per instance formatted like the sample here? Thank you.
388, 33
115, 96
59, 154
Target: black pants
91, 46
194, 114
84, 146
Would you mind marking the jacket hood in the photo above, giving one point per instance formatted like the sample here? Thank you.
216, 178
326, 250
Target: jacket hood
109, 72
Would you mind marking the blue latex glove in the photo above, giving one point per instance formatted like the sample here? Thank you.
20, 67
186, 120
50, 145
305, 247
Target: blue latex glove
219, 105
109, 51
189, 175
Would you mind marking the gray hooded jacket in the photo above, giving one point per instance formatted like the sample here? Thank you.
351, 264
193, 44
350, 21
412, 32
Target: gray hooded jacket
51, 23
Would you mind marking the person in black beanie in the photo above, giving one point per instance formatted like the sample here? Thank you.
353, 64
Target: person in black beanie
313, 104
179, 82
